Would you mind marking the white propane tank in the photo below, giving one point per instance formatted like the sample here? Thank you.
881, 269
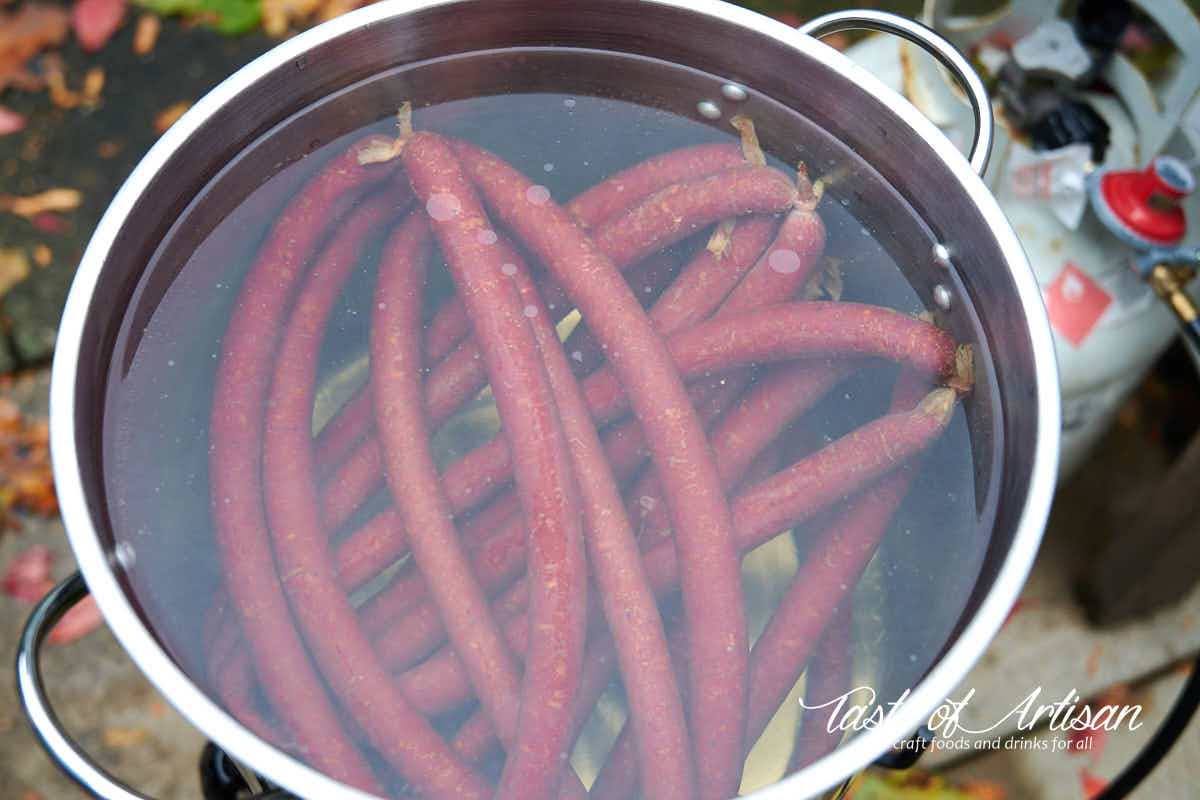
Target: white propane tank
1109, 327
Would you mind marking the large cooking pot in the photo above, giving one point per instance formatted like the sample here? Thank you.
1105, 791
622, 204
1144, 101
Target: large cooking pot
151, 563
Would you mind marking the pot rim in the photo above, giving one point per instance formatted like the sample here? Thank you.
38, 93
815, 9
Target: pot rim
99, 566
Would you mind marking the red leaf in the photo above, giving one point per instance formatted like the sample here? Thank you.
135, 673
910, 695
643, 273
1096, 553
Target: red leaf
11, 121
81, 620
1091, 784
1020, 604
95, 21
1090, 739
50, 222
27, 578
789, 18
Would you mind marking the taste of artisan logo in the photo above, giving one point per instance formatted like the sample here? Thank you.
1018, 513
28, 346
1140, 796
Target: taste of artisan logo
1066, 715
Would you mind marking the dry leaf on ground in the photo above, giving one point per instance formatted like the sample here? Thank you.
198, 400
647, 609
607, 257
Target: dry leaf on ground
95, 21
11, 121
42, 255
278, 15
56, 199
1090, 783
145, 35
50, 222
26, 481
167, 117
14, 268
83, 618
93, 85
915, 784
24, 33
120, 738
27, 578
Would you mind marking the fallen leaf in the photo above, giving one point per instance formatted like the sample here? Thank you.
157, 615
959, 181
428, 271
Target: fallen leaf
1093, 738
56, 199
55, 71
1090, 783
11, 121
1093, 660
1118, 694
157, 708
278, 15
93, 85
83, 618
50, 222
10, 416
121, 738
145, 34
27, 578
1088, 740
26, 480
226, 16
335, 8
95, 21
14, 268
789, 18
914, 784
985, 790
1019, 605
167, 117
110, 148
42, 255
23, 34
32, 794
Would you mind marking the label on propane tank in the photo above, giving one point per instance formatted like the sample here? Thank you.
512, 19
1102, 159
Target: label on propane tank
1075, 302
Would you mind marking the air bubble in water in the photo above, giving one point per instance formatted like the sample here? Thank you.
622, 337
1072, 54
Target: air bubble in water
443, 206
733, 92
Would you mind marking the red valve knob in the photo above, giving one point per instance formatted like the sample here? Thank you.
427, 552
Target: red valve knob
1142, 206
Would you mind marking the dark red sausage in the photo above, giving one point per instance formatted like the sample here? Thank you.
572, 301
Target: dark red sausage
679, 210
826, 678
625, 596
617, 193
814, 483
542, 469
235, 462
319, 604
410, 632
342, 433
401, 423
765, 411
829, 572
711, 578
603, 201
657, 222
823, 580
785, 330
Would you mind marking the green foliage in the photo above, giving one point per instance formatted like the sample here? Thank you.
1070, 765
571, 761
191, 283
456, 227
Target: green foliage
227, 16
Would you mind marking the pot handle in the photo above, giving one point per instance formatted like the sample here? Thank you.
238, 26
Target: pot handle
934, 44
58, 743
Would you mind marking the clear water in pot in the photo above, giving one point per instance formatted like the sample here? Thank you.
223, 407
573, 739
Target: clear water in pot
567, 119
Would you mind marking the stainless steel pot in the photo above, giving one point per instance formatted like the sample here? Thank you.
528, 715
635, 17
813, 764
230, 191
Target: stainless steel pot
976, 257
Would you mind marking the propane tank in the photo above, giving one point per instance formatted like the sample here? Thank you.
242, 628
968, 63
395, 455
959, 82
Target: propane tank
1109, 326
